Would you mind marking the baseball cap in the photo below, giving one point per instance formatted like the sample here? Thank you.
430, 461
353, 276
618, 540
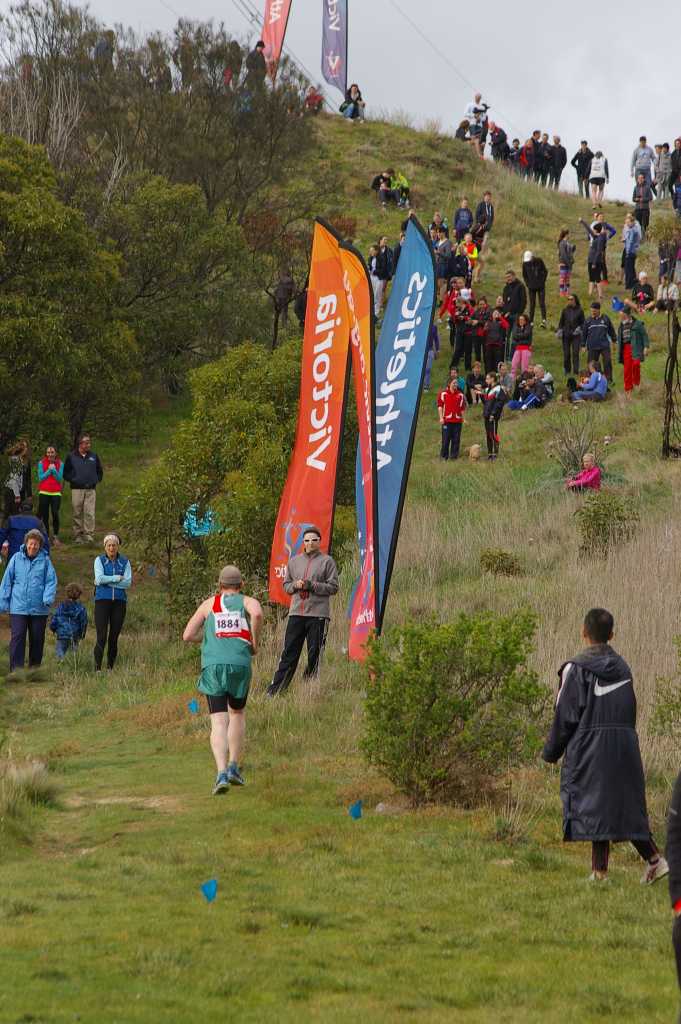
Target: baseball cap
527, 256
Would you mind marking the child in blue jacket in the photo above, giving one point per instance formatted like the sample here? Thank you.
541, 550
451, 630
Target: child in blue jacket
69, 621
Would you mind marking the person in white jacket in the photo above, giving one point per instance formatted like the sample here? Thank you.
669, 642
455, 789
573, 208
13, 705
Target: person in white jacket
599, 177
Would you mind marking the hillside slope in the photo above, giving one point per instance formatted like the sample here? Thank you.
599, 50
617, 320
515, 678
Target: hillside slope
435, 915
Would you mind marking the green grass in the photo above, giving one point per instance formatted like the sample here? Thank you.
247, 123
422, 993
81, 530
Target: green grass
424, 915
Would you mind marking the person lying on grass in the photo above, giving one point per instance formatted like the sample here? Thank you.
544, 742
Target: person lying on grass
589, 479
602, 786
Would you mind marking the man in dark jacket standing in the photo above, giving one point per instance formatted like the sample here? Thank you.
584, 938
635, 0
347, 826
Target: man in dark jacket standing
484, 216
559, 162
515, 298
581, 162
598, 335
642, 197
534, 276
83, 471
311, 579
602, 786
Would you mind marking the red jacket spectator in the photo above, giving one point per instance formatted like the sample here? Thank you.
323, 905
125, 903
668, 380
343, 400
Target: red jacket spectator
452, 406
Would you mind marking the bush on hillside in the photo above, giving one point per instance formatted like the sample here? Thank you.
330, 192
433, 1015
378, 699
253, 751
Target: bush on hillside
605, 519
450, 707
572, 437
500, 562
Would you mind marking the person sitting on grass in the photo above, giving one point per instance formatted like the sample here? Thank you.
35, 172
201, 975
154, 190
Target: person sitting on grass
594, 389
533, 393
589, 478
546, 377
69, 622
594, 731
667, 295
642, 295
353, 106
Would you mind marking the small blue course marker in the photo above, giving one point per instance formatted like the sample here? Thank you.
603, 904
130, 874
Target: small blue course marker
355, 810
210, 890
617, 304
193, 706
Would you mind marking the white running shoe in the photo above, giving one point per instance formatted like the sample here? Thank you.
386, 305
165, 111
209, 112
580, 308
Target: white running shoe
655, 871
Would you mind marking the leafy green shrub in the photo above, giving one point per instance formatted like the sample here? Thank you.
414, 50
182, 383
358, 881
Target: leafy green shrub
605, 519
451, 707
500, 562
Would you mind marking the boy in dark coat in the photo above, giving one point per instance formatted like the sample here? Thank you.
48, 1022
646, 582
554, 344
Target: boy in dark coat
69, 622
601, 783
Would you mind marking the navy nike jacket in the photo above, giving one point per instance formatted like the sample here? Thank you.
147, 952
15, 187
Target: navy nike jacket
594, 730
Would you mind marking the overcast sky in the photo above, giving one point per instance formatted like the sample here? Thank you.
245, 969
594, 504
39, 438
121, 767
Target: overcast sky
606, 71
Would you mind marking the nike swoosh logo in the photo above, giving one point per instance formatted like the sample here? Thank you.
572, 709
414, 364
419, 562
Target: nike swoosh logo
601, 691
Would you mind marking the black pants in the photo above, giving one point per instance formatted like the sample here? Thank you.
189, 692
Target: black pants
600, 852
47, 502
629, 270
583, 183
109, 618
537, 293
463, 347
643, 217
492, 432
299, 628
20, 625
555, 179
451, 440
571, 353
604, 354
494, 354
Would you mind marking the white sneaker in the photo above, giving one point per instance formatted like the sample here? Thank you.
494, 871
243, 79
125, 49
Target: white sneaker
593, 877
655, 871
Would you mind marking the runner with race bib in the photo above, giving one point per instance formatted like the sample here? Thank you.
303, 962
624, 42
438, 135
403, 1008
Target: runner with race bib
228, 628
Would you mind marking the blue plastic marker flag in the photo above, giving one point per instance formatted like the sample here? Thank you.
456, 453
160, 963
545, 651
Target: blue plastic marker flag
151, 570
210, 889
617, 304
355, 810
193, 706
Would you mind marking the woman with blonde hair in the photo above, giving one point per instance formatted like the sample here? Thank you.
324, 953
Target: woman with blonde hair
113, 579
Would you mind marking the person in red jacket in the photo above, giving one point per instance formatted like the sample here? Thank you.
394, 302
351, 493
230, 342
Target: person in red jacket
451, 406
51, 485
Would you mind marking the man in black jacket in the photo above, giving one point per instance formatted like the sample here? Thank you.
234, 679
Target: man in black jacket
515, 298
673, 852
598, 334
602, 786
581, 162
499, 142
484, 215
534, 276
546, 160
559, 162
83, 471
538, 156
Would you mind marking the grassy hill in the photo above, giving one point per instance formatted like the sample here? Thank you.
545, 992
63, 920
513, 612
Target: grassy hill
435, 915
